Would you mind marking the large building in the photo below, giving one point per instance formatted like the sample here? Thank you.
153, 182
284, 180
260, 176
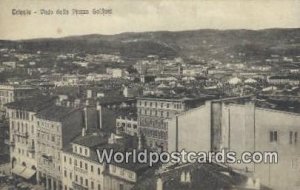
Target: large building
56, 127
153, 111
242, 124
23, 130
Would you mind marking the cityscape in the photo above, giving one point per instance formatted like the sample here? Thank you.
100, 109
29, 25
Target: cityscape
63, 100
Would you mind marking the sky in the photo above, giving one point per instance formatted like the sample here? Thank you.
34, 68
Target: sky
144, 15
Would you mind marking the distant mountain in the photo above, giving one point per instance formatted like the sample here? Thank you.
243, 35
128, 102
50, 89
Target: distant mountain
204, 43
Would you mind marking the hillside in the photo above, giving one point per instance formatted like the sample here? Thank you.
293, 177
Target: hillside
204, 43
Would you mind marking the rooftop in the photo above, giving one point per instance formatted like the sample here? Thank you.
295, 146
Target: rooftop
55, 113
202, 176
32, 104
286, 105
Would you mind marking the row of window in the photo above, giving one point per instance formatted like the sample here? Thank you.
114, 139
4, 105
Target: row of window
80, 150
82, 165
155, 133
161, 105
82, 181
128, 125
122, 172
21, 127
155, 123
24, 153
293, 137
154, 113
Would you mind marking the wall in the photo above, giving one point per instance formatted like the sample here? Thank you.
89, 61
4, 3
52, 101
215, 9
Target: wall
194, 130
250, 130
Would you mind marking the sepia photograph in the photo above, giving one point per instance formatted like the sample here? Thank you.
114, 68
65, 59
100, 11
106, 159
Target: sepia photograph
150, 95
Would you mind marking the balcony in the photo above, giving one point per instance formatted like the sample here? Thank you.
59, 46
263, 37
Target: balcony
20, 134
80, 170
78, 187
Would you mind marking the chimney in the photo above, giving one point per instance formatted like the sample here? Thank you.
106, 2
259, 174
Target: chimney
83, 132
159, 184
112, 139
85, 118
99, 108
140, 144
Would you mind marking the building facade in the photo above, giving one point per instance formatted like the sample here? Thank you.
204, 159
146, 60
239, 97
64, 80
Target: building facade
23, 130
152, 114
11, 93
56, 127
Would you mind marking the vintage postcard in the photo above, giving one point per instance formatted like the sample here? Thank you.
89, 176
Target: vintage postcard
149, 95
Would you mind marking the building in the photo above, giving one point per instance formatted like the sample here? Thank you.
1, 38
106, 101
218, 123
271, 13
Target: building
56, 127
244, 124
11, 93
153, 111
23, 130
81, 168
127, 124
282, 80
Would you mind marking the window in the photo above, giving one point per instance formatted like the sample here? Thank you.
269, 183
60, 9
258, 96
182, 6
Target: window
273, 136
75, 162
65, 159
86, 166
70, 160
76, 178
92, 168
65, 173
85, 151
122, 172
86, 182
70, 175
92, 184
80, 164
99, 171
113, 168
99, 187
293, 137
